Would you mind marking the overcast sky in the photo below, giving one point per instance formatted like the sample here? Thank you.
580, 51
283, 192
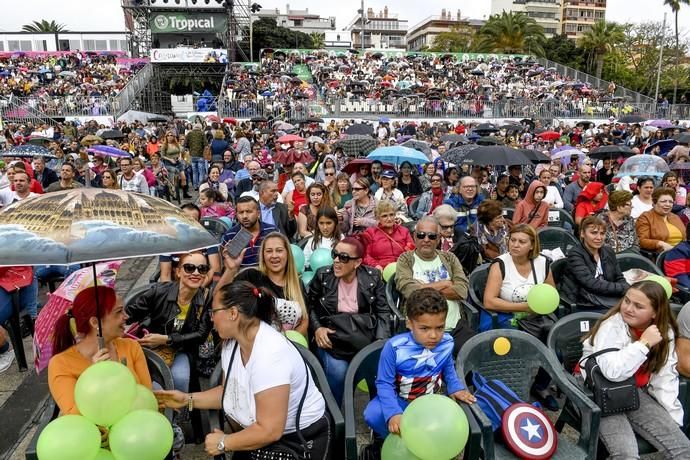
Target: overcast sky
106, 15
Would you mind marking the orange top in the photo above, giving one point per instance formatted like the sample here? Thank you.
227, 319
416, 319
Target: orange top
65, 368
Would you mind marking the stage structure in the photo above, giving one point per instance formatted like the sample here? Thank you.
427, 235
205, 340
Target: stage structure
189, 43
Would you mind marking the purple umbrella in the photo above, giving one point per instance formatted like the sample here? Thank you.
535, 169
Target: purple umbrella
402, 139
661, 124
108, 151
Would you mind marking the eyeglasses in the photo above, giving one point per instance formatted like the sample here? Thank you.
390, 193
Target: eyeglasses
329, 174
191, 268
344, 257
422, 235
435, 180
446, 227
214, 310
358, 189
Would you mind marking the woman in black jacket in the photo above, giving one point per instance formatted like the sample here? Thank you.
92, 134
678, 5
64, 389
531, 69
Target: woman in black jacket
347, 291
593, 279
177, 317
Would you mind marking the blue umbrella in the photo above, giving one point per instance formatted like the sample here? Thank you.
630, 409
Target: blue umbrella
28, 151
665, 146
397, 154
109, 151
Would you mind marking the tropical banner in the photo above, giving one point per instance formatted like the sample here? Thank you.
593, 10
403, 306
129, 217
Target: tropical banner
180, 22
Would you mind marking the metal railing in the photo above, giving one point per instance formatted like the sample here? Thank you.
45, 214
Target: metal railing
583, 77
66, 106
126, 97
14, 110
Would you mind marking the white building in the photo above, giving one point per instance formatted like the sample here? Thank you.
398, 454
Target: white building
546, 13
298, 20
64, 41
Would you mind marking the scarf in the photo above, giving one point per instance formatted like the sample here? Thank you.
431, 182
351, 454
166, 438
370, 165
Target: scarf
214, 185
436, 198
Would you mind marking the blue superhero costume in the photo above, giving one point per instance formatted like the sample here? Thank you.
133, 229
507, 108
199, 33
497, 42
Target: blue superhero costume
407, 370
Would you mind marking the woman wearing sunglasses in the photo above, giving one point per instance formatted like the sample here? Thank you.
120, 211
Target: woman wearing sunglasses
338, 296
176, 316
358, 213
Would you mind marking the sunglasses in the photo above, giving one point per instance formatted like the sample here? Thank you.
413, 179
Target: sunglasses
344, 257
422, 235
191, 268
358, 189
330, 174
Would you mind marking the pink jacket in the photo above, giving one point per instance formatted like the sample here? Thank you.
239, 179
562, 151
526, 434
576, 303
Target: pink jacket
381, 249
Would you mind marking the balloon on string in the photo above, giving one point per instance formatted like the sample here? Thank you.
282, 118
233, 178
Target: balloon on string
434, 427
307, 277
543, 299
297, 338
144, 399
141, 435
389, 271
104, 392
320, 258
298, 256
394, 449
663, 282
69, 437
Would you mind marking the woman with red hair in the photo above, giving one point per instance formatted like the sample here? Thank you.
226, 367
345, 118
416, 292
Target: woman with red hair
592, 198
70, 358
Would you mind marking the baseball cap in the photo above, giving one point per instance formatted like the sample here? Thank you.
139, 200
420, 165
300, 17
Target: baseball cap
389, 174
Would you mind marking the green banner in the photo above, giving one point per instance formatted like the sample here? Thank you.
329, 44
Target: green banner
176, 22
398, 54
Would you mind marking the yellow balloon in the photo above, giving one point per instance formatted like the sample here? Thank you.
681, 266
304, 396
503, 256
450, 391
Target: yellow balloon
501, 346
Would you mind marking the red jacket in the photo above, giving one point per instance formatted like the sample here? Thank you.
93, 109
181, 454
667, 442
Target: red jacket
381, 249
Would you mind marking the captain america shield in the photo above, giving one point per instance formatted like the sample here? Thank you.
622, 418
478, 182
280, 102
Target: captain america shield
528, 432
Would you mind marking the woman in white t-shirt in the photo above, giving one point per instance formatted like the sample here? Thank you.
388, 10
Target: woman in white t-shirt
264, 381
326, 233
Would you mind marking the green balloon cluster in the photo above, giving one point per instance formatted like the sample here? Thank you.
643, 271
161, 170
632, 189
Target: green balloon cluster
394, 449
543, 299
141, 435
298, 256
67, 438
144, 400
434, 427
320, 258
297, 338
389, 271
104, 392
307, 277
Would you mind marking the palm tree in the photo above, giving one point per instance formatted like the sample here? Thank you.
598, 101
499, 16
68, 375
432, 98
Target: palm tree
44, 26
511, 33
318, 40
601, 39
675, 7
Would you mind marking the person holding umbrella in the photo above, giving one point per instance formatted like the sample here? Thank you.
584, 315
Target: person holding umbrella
71, 357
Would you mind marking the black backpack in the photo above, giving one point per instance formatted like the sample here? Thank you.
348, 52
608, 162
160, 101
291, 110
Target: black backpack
468, 251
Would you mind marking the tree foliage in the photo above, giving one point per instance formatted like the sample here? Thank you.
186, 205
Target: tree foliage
564, 50
318, 40
267, 34
511, 32
44, 26
600, 40
453, 41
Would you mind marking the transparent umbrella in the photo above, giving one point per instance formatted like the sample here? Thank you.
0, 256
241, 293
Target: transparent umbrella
643, 165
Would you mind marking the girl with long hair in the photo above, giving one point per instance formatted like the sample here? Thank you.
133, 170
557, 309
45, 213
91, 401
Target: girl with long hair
326, 233
342, 192
317, 199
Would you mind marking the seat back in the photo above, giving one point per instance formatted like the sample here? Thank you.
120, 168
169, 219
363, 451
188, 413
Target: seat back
559, 218
553, 237
660, 261
396, 305
132, 295
413, 208
508, 213
215, 226
477, 281
160, 373
516, 368
628, 260
565, 337
364, 366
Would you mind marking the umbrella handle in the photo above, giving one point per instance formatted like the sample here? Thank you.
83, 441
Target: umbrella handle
101, 342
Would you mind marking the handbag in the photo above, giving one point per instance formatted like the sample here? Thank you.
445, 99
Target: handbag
283, 449
15, 278
353, 331
611, 397
207, 153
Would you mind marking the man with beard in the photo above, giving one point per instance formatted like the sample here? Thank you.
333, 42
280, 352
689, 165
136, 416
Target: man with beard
248, 217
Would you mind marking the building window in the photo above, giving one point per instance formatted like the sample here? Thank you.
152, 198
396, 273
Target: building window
114, 45
2, 46
89, 45
297, 23
101, 45
123, 45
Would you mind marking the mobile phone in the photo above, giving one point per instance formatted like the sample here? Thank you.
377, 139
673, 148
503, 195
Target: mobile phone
134, 331
235, 246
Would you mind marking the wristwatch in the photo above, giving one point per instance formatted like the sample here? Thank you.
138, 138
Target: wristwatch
645, 343
221, 444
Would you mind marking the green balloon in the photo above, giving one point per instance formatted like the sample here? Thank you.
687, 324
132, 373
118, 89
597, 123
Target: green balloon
543, 299
141, 435
297, 338
434, 427
307, 277
104, 392
389, 271
298, 256
320, 258
363, 386
104, 454
144, 400
394, 449
663, 282
69, 437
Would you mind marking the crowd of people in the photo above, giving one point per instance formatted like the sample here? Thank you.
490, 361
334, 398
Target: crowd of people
313, 190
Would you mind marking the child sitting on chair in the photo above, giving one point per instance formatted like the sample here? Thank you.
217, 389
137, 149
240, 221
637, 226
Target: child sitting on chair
415, 363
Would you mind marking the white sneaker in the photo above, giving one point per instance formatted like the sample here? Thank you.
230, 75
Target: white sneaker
6, 360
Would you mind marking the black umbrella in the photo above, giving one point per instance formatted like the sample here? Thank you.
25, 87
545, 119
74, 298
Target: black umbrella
610, 151
684, 138
454, 138
457, 154
632, 119
357, 144
486, 127
315, 120
157, 119
489, 140
359, 128
497, 155
113, 134
258, 119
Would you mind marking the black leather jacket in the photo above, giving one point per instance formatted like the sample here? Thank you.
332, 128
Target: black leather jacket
157, 308
322, 298
580, 284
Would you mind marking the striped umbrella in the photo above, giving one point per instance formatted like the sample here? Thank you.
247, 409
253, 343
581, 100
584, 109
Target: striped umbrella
355, 145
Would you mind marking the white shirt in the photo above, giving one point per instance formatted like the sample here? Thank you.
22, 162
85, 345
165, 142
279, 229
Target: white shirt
290, 186
638, 207
254, 194
431, 271
515, 287
622, 364
553, 197
326, 243
274, 362
8, 196
135, 184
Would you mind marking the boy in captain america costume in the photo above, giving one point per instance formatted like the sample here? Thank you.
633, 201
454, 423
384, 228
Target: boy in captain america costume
415, 363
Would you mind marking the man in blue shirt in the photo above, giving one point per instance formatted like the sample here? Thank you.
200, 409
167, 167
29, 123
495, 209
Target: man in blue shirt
274, 213
465, 203
248, 215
